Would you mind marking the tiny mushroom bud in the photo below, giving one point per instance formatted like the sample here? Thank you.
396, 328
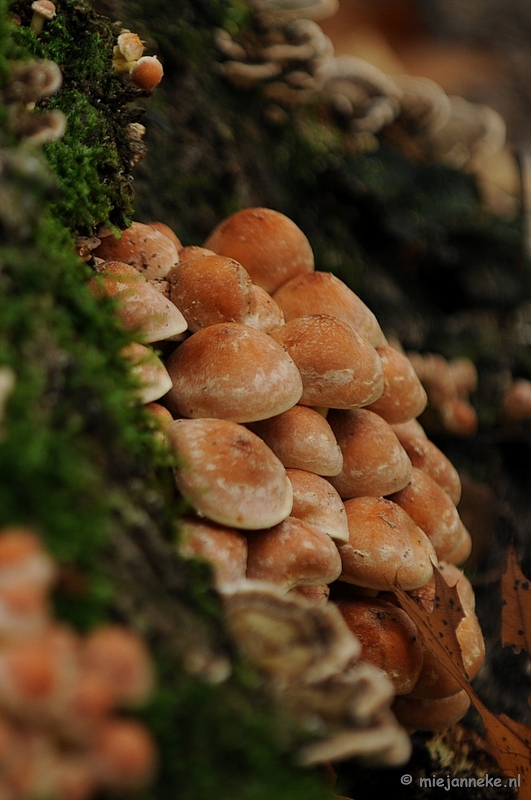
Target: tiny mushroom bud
229, 474
147, 73
42, 10
268, 244
231, 371
302, 439
339, 368
385, 545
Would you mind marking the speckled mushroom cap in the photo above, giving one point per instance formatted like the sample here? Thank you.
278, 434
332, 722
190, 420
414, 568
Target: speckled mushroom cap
317, 502
145, 248
230, 371
293, 553
228, 474
433, 510
384, 546
323, 293
374, 461
302, 439
268, 244
140, 305
339, 368
404, 397
208, 290
389, 639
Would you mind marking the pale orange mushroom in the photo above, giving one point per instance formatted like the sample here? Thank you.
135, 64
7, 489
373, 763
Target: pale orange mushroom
231, 371
270, 246
339, 368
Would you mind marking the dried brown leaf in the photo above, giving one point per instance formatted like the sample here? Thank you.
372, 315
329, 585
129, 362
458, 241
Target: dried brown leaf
516, 606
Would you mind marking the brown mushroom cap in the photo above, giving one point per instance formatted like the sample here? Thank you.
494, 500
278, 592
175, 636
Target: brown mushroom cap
431, 714
404, 396
384, 546
224, 548
140, 306
291, 554
230, 371
268, 244
167, 231
268, 315
229, 475
149, 370
339, 368
148, 250
208, 290
193, 250
374, 461
389, 639
433, 510
323, 293
317, 502
302, 439
147, 73
426, 456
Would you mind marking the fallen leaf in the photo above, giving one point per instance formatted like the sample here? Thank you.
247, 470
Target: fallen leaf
516, 606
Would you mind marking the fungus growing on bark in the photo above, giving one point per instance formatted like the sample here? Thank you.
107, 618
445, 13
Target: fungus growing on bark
147, 73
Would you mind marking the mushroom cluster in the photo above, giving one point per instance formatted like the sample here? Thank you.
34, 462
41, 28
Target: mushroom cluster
295, 424
448, 385
59, 731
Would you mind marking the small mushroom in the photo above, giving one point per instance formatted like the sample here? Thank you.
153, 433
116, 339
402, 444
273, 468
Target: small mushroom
426, 456
224, 548
317, 502
229, 475
324, 293
140, 307
211, 289
148, 369
389, 639
293, 553
385, 546
147, 73
433, 510
143, 247
374, 461
302, 439
234, 372
429, 714
339, 368
43, 10
266, 243
267, 315
403, 397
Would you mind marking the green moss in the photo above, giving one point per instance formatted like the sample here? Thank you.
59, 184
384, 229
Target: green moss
92, 162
